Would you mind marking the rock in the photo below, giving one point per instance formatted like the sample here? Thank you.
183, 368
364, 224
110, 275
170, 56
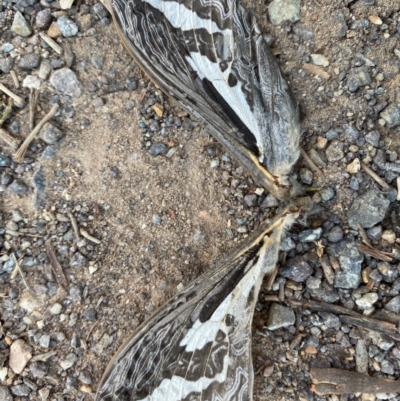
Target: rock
50, 134
373, 138
306, 176
90, 314
389, 272
250, 200
334, 151
56, 309
350, 261
367, 300
296, 269
18, 187
30, 61
391, 115
354, 167
78, 260
20, 355
5, 394
361, 357
21, 390
65, 81
318, 158
389, 236
5, 161
319, 59
357, 78
351, 133
335, 235
157, 149
280, 316
310, 235
284, 11
39, 369
44, 341
54, 31
43, 18
6, 64
327, 194
67, 27
68, 362
368, 209
393, 305
31, 82
66, 4
131, 83
374, 233
313, 283
20, 25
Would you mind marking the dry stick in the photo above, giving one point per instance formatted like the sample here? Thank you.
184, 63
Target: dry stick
18, 267
16, 98
57, 269
9, 140
374, 176
7, 111
338, 381
308, 160
74, 225
20, 153
85, 234
32, 107
54, 45
14, 78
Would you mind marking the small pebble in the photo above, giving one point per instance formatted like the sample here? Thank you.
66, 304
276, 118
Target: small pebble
18, 187
67, 27
30, 61
20, 354
354, 167
43, 18
280, 316
20, 26
157, 149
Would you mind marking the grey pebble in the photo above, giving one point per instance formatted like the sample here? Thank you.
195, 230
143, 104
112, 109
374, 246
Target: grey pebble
18, 187
20, 25
331, 135
5, 161
335, 234
306, 176
131, 83
43, 18
67, 27
44, 341
156, 219
373, 138
391, 115
361, 356
90, 314
360, 24
330, 320
130, 105
5, 179
44, 69
280, 316
250, 200
78, 260
50, 134
85, 377
327, 194
318, 158
351, 133
334, 152
288, 244
100, 10
29, 61
387, 367
389, 272
98, 62
21, 390
313, 283
5, 394
39, 369
98, 102
393, 305
350, 261
57, 63
6, 64
374, 233
296, 269
310, 235
357, 78
157, 149
368, 209
354, 184
284, 11
269, 201
66, 81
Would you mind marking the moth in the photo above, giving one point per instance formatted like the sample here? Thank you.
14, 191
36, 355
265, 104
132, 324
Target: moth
211, 57
198, 345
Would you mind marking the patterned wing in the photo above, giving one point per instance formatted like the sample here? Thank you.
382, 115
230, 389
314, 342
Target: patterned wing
211, 57
198, 346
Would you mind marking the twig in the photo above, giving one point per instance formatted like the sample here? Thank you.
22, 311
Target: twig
9, 140
74, 225
271, 278
14, 78
43, 357
308, 160
18, 267
338, 381
54, 45
6, 112
16, 98
55, 264
32, 107
374, 176
20, 153
376, 253
85, 234
363, 235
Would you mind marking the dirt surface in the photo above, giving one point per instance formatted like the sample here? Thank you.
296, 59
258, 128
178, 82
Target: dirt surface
163, 220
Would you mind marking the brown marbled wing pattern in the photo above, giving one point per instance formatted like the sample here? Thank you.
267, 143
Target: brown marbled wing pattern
198, 345
211, 57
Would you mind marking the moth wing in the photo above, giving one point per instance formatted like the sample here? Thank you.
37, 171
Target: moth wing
206, 55
198, 346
